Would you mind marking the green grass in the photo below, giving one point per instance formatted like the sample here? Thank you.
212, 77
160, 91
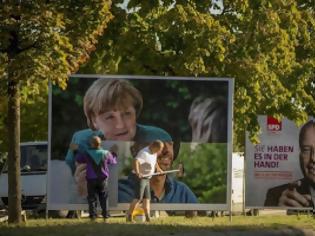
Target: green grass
162, 226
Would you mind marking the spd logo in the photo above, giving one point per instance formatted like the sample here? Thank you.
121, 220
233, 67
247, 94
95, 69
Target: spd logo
273, 124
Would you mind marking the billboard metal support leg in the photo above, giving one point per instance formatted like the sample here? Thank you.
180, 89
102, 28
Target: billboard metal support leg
46, 211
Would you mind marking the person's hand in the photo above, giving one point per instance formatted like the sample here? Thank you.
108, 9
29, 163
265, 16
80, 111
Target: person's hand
80, 179
139, 175
292, 198
73, 146
114, 149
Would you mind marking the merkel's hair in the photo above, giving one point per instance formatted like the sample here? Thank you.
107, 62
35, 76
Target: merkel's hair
107, 94
306, 126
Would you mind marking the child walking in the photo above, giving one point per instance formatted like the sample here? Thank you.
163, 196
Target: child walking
97, 173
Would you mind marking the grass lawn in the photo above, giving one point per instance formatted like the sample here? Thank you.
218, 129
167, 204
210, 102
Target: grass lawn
240, 225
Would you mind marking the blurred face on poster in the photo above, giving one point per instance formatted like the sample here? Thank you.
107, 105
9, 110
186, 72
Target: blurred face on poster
165, 159
307, 155
117, 124
208, 120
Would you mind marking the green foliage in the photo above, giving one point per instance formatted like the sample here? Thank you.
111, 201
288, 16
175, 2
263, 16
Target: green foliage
272, 72
206, 171
162, 41
40, 42
3, 158
266, 46
34, 122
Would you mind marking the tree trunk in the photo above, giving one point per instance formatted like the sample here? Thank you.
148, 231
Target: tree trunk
14, 191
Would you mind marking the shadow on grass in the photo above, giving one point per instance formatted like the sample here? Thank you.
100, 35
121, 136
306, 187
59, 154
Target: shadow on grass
87, 228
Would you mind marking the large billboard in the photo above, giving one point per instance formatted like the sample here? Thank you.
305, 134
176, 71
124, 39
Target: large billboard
280, 170
191, 116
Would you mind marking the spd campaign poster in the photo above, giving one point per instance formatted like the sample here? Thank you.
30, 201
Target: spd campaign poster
280, 169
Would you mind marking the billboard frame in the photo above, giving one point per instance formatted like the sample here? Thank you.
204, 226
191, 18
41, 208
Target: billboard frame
157, 206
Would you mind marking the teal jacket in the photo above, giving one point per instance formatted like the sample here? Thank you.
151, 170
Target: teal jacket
144, 133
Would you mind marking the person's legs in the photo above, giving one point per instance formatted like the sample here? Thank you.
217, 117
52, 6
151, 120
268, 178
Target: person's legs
146, 200
103, 196
91, 198
139, 191
146, 208
133, 205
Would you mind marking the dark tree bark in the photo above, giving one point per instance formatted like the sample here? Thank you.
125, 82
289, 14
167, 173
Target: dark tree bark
14, 191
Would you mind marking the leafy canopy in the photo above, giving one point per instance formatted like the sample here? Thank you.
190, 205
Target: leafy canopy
41, 41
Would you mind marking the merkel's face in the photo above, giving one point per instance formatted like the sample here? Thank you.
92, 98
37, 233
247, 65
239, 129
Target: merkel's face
307, 155
165, 158
117, 124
